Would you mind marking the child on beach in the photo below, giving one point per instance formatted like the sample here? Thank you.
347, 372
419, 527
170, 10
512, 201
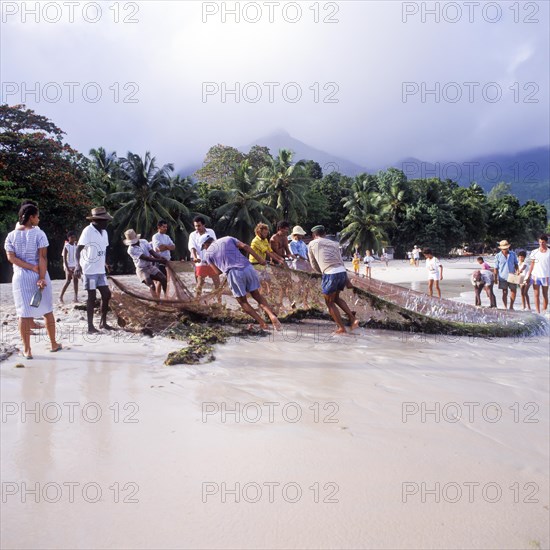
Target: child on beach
355, 262
523, 270
368, 261
483, 264
69, 264
435, 272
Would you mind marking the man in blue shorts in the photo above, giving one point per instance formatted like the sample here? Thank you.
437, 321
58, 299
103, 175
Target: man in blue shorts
324, 256
506, 263
224, 255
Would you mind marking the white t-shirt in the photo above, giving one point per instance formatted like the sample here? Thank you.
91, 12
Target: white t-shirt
368, 259
432, 265
71, 254
92, 257
416, 253
194, 242
136, 251
162, 238
542, 263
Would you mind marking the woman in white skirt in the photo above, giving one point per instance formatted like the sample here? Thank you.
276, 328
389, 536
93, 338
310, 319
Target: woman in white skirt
26, 248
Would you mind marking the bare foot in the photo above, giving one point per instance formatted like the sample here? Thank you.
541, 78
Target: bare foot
106, 326
61, 300
340, 331
355, 324
276, 324
92, 330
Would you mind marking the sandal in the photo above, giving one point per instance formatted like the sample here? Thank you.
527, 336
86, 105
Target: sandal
59, 346
24, 355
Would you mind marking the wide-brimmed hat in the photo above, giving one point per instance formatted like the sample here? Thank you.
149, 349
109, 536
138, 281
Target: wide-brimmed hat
100, 213
504, 245
297, 230
131, 237
204, 239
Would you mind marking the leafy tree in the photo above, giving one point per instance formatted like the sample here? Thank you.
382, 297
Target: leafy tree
504, 221
313, 170
366, 222
103, 176
470, 210
534, 218
148, 194
219, 165
258, 157
285, 185
499, 191
336, 188
242, 206
42, 168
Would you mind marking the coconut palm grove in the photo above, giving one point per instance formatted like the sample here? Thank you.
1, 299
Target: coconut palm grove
235, 190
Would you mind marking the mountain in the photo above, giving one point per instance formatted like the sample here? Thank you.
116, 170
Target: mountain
329, 163
527, 171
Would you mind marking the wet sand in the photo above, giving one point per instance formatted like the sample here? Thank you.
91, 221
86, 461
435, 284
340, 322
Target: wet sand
376, 440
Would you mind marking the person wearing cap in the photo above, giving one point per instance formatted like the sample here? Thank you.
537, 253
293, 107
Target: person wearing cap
506, 263
539, 272
144, 258
224, 255
325, 258
279, 241
202, 270
416, 255
90, 262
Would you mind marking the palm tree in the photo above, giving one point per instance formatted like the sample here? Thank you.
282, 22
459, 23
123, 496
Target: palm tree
285, 184
103, 175
148, 194
243, 207
367, 218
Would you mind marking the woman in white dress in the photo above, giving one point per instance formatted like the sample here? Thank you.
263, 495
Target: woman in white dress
26, 248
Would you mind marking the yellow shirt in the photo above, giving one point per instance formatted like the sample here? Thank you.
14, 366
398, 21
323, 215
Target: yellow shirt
261, 247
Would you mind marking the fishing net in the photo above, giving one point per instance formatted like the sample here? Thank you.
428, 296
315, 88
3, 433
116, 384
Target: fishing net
296, 293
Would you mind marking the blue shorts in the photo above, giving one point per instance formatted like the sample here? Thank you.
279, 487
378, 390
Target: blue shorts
540, 281
334, 283
243, 281
91, 282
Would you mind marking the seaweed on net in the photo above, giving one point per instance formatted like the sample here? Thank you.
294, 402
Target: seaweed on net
297, 294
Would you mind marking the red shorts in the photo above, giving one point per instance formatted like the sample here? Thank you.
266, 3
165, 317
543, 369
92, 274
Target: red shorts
205, 271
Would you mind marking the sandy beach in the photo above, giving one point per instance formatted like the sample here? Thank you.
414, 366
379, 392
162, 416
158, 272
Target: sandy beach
378, 439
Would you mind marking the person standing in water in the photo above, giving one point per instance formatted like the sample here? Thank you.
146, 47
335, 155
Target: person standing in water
325, 258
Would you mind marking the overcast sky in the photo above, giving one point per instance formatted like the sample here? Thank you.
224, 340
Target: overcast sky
361, 68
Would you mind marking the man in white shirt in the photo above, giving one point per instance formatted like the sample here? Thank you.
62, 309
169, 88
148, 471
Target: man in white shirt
90, 262
539, 272
145, 259
325, 258
202, 269
163, 245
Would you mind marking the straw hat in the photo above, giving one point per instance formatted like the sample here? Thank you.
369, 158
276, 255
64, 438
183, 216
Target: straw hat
131, 237
100, 213
297, 230
504, 245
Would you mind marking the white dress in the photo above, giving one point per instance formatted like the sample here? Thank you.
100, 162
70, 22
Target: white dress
24, 243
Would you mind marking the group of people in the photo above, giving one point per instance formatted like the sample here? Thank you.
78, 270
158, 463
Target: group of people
85, 257
513, 270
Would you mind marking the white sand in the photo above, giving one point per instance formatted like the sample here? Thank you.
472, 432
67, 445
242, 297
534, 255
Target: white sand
175, 459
